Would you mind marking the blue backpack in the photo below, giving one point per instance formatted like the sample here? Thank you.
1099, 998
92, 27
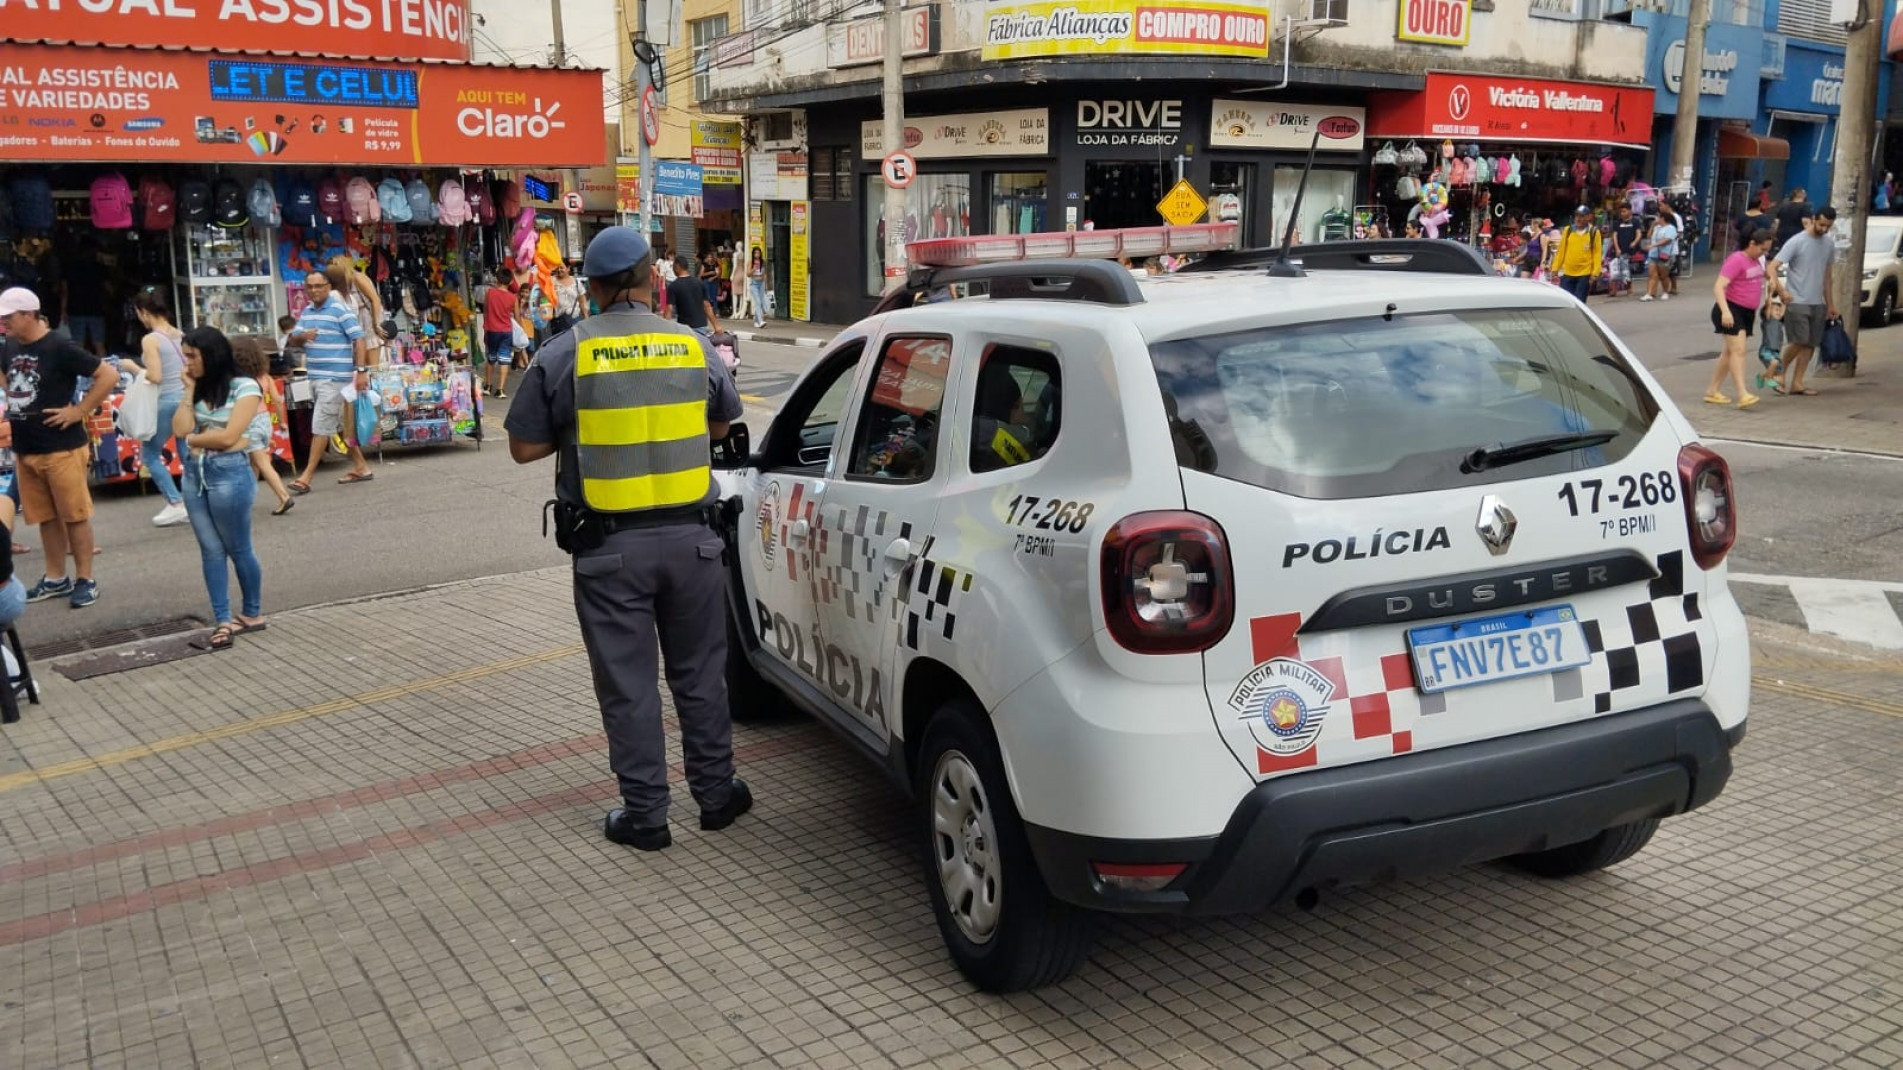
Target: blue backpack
32, 201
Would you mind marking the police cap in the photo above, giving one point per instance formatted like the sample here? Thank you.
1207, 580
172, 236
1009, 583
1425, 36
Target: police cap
613, 251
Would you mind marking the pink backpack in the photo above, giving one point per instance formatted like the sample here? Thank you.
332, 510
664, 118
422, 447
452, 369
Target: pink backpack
112, 202
363, 202
452, 207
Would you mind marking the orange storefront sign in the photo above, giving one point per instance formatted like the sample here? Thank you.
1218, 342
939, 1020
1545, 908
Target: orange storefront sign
115, 104
376, 29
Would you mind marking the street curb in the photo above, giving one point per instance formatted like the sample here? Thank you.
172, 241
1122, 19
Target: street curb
1792, 444
781, 339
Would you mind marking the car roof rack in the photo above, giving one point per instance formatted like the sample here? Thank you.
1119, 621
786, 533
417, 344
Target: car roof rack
1103, 282
1433, 255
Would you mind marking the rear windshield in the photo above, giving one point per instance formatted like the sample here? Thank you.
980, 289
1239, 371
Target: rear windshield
1367, 407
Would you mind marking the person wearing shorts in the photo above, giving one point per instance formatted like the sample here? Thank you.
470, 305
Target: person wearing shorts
335, 348
498, 332
1805, 287
52, 451
1737, 296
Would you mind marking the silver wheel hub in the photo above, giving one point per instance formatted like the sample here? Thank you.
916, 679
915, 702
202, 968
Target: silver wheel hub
964, 847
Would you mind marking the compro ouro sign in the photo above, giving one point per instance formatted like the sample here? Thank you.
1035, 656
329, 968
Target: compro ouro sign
1016, 29
1434, 22
1258, 124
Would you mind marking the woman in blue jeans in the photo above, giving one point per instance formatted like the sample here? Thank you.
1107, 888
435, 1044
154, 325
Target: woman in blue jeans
162, 363
220, 486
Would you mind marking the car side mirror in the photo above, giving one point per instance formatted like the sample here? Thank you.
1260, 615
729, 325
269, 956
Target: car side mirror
734, 450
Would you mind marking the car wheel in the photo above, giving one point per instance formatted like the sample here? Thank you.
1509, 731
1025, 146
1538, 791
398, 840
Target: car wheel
750, 698
1004, 929
1886, 304
1610, 847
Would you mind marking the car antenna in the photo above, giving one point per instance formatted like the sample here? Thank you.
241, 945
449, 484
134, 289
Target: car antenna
1284, 267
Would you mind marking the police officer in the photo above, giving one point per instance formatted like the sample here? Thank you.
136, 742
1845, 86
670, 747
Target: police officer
628, 403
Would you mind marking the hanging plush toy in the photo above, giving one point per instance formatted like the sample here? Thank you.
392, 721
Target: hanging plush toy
1433, 208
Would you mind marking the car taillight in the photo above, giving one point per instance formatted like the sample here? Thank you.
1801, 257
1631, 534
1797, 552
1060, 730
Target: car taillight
1704, 481
1167, 584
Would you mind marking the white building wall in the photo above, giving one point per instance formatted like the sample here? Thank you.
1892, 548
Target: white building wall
522, 33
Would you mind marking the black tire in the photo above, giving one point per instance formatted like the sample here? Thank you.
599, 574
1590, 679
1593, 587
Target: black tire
1886, 305
1610, 847
1035, 939
750, 698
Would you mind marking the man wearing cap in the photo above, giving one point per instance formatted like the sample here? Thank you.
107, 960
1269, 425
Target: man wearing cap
1805, 287
1577, 254
50, 443
630, 404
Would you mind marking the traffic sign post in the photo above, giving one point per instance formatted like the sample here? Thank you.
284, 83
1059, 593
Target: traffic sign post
1182, 205
899, 168
571, 202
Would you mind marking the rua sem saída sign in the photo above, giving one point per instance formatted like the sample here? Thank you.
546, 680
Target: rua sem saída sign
108, 104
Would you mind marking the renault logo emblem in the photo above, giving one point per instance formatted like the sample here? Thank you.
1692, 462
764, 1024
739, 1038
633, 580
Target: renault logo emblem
1495, 524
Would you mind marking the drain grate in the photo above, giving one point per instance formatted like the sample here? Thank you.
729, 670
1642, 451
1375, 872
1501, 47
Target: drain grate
116, 637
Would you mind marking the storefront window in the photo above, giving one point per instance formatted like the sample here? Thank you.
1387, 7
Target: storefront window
1326, 206
1120, 194
936, 206
1019, 203
1230, 186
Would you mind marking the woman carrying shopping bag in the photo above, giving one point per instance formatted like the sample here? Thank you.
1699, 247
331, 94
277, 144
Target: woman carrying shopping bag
162, 362
219, 485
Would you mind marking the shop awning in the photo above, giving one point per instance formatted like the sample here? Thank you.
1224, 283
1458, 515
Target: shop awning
1736, 144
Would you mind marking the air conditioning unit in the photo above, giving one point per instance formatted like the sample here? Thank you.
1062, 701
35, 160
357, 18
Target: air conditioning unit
1322, 13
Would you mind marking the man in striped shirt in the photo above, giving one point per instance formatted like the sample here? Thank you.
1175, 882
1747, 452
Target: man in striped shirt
334, 355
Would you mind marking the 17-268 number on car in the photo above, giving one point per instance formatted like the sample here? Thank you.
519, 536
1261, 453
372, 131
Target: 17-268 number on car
1589, 497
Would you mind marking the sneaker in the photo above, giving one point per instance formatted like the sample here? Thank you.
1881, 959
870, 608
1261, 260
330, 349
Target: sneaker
172, 514
1665, 297
739, 801
85, 593
1647, 297
46, 589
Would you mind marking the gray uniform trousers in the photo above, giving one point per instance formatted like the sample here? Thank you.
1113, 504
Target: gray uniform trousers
671, 580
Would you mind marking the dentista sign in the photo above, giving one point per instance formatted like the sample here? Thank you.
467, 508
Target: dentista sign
370, 29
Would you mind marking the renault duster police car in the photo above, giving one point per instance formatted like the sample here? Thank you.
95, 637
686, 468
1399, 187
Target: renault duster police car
1196, 593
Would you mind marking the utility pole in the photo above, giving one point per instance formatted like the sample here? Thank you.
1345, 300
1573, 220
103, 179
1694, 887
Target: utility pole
1690, 81
1856, 136
643, 87
572, 180
893, 140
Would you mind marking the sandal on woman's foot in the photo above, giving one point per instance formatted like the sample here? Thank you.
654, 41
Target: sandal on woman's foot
1717, 399
246, 627
1778, 388
1748, 400
284, 506
220, 638
1806, 392
299, 487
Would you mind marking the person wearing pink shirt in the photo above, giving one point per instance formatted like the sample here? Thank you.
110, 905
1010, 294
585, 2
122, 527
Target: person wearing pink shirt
1737, 296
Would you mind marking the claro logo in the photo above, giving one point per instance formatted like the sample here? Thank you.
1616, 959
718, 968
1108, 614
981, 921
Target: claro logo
493, 122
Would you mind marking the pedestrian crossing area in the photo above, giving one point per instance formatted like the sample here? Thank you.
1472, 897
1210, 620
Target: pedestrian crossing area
1861, 611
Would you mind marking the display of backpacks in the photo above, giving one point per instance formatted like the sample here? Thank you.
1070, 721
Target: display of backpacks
1385, 156
194, 201
297, 202
421, 210
264, 204
111, 201
392, 203
158, 206
361, 198
508, 198
32, 199
481, 204
228, 207
330, 200
452, 205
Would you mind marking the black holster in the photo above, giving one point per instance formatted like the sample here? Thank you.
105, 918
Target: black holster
577, 530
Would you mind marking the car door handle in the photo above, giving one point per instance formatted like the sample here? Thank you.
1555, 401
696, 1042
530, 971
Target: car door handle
796, 535
897, 553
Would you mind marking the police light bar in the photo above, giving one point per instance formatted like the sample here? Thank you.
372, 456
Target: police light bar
1133, 242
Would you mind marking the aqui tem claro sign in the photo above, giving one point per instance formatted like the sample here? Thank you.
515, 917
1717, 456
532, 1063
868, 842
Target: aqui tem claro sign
1714, 74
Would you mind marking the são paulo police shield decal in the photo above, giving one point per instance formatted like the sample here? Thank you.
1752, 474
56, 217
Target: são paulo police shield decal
1283, 702
766, 520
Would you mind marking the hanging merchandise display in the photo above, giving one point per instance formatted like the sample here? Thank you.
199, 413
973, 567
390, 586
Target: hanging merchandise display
425, 397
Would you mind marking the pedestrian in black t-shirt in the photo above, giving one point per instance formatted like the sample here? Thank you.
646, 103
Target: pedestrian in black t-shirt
1791, 217
51, 448
688, 296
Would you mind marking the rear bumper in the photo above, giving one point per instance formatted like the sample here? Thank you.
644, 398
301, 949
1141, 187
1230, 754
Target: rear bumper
1417, 813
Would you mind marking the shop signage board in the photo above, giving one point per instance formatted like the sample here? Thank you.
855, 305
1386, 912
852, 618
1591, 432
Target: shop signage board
776, 175
628, 187
1156, 124
1487, 107
367, 29
678, 189
1261, 124
1182, 205
799, 274
112, 104
1022, 132
1016, 29
861, 42
715, 146
1434, 22
1727, 77
1813, 82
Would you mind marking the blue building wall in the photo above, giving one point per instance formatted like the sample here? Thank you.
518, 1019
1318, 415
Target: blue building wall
1802, 107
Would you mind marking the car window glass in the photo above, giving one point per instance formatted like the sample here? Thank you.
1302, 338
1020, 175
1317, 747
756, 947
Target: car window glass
1016, 408
823, 397
897, 437
1369, 407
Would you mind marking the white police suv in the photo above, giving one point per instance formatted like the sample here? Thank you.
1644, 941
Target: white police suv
1195, 593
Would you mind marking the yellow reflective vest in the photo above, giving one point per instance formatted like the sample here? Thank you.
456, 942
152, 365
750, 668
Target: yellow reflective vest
641, 437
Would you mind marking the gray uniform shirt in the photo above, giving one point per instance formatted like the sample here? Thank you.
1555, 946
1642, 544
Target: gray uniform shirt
543, 410
1804, 258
